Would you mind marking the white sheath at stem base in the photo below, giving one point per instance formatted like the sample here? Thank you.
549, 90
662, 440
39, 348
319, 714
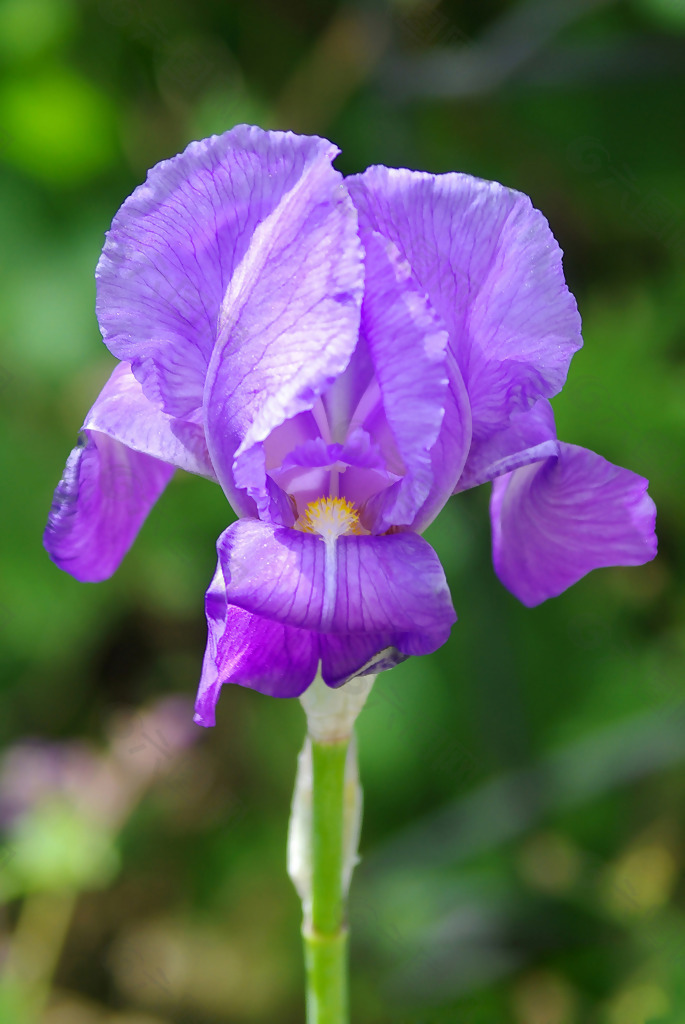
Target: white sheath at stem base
331, 715
300, 827
323, 839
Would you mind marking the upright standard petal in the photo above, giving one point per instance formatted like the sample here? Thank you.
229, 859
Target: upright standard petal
554, 521
492, 269
288, 326
175, 244
408, 347
449, 452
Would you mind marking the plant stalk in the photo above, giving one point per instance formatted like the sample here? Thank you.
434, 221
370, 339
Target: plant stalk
323, 840
325, 934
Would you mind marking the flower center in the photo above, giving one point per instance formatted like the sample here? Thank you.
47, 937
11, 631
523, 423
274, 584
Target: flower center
330, 518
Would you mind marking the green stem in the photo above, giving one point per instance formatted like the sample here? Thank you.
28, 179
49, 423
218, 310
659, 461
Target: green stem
323, 838
325, 934
325, 961
37, 944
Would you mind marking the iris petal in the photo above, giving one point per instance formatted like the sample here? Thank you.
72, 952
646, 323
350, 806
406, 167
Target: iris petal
287, 328
250, 651
269, 624
528, 437
174, 246
450, 451
492, 270
113, 478
350, 655
100, 504
556, 520
124, 413
408, 348
357, 585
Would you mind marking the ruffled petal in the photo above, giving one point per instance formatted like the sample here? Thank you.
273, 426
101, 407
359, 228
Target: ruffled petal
272, 617
554, 521
388, 584
251, 651
408, 348
450, 451
100, 504
126, 455
124, 413
287, 328
175, 244
492, 270
529, 437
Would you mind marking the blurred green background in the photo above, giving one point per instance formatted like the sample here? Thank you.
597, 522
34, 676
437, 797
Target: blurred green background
524, 835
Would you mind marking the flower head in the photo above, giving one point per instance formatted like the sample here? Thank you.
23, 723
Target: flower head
340, 355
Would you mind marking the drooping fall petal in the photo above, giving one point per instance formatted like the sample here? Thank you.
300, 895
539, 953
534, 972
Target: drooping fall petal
126, 456
556, 520
100, 504
252, 651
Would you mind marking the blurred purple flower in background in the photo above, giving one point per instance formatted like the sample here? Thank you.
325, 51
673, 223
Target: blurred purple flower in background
341, 355
101, 786
62, 804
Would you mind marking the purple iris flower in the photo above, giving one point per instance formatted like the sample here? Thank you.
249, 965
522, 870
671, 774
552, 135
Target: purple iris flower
341, 355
